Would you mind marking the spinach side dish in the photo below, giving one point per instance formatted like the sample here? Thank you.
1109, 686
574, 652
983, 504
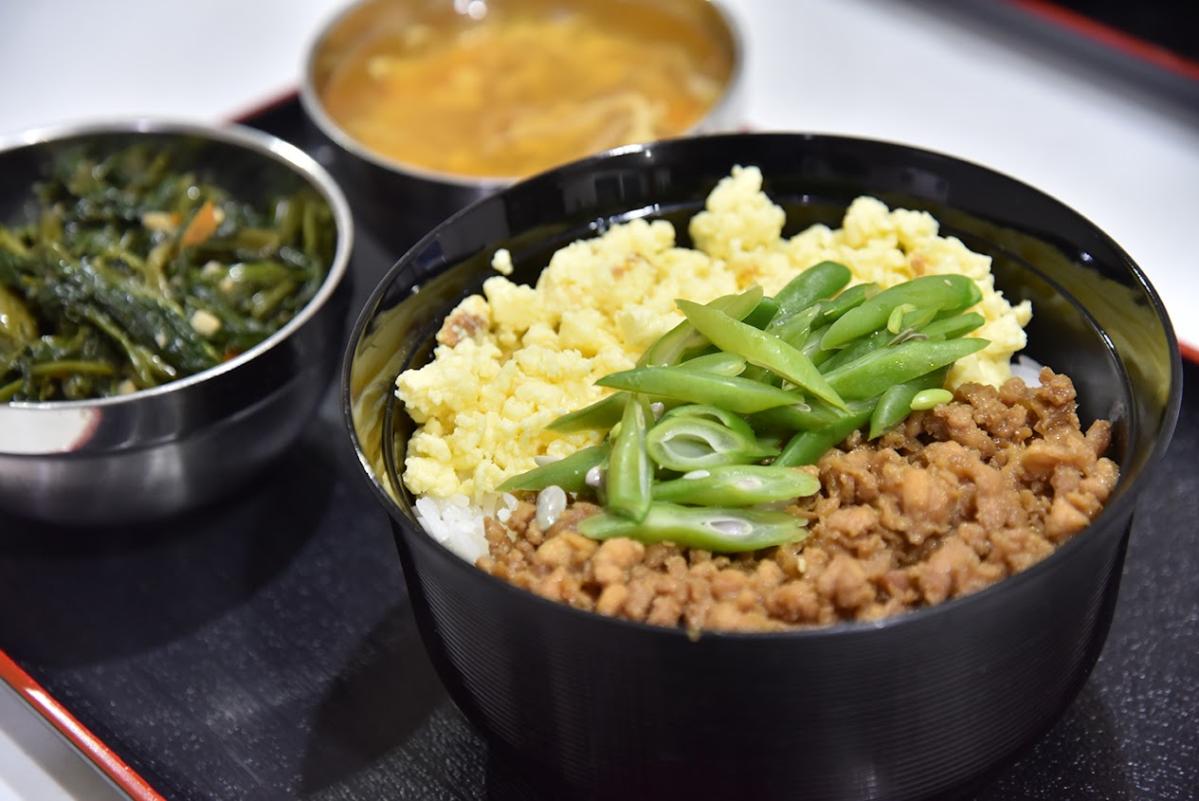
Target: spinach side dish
133, 271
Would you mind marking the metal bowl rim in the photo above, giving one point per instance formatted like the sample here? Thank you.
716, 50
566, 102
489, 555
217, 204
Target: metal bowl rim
254, 141
1123, 505
315, 109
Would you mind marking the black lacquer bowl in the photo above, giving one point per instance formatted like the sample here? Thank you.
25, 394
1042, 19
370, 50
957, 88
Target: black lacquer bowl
920, 705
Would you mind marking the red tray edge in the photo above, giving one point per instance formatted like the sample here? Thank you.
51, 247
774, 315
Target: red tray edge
87, 743
94, 749
1088, 28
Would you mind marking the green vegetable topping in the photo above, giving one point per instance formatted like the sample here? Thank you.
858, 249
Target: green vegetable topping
569, 473
132, 270
760, 348
629, 472
725, 530
737, 485
929, 398
735, 394
740, 377
686, 443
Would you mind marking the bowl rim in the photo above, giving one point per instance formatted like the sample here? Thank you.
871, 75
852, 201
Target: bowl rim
251, 140
1108, 516
311, 102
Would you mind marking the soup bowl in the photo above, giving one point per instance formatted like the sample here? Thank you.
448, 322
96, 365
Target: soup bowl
400, 201
918, 705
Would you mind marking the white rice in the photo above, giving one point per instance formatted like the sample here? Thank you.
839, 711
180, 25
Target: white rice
1027, 369
458, 525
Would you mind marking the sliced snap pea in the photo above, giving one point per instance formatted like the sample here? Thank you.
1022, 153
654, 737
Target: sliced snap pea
763, 313
856, 350
606, 412
818, 282
908, 328
811, 347
602, 414
941, 292
930, 398
953, 327
629, 471
723, 416
807, 447
895, 318
795, 329
896, 403
718, 363
737, 485
733, 393
671, 346
845, 302
691, 443
801, 417
760, 348
569, 473
718, 530
874, 373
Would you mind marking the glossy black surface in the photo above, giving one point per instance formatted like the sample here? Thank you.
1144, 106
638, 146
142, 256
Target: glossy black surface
268, 650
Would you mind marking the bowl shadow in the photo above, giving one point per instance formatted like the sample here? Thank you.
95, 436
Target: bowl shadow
163, 579
385, 691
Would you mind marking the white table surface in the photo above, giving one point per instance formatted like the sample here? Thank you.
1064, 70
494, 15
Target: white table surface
889, 70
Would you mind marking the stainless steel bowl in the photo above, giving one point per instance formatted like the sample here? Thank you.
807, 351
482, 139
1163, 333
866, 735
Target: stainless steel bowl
161, 450
400, 202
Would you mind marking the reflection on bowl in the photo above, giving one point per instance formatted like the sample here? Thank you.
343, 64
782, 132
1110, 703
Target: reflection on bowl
431, 105
910, 707
183, 443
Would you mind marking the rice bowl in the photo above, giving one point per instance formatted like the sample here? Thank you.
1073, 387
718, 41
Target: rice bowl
942, 506
908, 707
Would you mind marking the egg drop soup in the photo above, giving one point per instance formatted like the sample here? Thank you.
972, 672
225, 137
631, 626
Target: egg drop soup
508, 88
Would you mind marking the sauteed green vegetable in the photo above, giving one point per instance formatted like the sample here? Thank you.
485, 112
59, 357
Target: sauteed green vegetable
725, 408
135, 271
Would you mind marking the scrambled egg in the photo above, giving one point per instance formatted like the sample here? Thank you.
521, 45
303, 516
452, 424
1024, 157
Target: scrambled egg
513, 359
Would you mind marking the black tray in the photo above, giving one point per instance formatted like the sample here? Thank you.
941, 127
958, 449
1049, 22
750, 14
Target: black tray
265, 649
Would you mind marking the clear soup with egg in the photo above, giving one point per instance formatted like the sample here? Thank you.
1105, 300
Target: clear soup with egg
507, 88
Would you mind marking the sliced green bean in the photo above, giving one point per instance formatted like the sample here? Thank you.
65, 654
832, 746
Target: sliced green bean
733, 393
692, 443
856, 349
763, 314
606, 412
896, 403
845, 302
895, 318
795, 329
941, 292
953, 327
807, 447
760, 348
930, 398
878, 370
569, 473
602, 414
729, 364
715, 413
671, 346
737, 485
717, 530
802, 417
629, 471
818, 282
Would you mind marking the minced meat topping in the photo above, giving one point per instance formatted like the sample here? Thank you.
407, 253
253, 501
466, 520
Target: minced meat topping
947, 503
